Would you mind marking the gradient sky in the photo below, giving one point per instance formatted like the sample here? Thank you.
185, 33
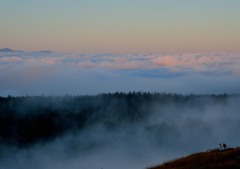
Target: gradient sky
121, 26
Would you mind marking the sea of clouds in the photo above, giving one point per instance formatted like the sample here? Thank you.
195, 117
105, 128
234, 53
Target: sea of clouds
54, 73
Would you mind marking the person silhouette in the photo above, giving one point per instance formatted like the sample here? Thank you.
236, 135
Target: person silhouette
224, 146
220, 146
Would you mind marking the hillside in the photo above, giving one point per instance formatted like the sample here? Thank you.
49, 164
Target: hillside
216, 159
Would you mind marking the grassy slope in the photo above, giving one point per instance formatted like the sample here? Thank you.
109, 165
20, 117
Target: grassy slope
215, 159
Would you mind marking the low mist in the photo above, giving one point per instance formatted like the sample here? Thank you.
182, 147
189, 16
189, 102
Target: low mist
113, 131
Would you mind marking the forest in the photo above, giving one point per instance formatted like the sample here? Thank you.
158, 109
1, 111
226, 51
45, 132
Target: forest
27, 120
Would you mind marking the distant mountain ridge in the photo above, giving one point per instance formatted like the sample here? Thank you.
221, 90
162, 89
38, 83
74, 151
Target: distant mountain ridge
215, 159
9, 50
36, 52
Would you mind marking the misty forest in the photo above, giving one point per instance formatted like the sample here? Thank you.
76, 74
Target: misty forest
113, 131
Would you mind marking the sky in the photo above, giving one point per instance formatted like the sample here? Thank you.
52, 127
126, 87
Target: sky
187, 46
135, 26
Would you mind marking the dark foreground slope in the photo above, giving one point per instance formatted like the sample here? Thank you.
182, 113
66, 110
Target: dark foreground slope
215, 159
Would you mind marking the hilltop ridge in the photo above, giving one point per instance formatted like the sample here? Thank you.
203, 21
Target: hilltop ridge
214, 159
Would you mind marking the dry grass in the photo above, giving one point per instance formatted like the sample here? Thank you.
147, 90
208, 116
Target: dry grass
216, 159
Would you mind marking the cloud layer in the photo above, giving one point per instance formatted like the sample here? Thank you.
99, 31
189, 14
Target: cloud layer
36, 73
